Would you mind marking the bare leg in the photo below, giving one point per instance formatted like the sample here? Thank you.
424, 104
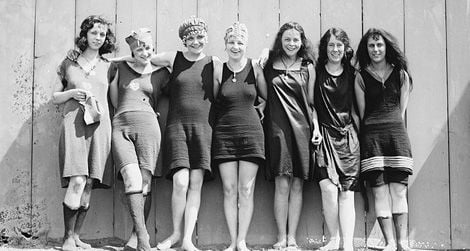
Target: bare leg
229, 175
384, 214
295, 209
70, 206
246, 189
178, 205
347, 218
281, 207
196, 177
329, 196
400, 214
82, 211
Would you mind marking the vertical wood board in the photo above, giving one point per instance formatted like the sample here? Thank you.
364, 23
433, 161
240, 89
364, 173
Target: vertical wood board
262, 19
52, 17
17, 24
427, 124
458, 53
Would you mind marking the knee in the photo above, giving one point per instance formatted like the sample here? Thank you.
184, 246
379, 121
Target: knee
282, 188
297, 186
346, 198
77, 184
180, 184
328, 189
246, 191
146, 182
230, 190
195, 185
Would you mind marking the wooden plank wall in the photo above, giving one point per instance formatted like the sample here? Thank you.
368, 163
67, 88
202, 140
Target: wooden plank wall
433, 33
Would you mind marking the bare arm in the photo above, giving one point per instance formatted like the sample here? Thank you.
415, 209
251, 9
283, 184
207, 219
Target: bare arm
405, 94
316, 135
60, 96
260, 81
360, 99
165, 59
114, 90
217, 75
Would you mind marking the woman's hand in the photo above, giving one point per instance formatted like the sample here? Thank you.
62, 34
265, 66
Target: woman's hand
316, 137
80, 94
263, 58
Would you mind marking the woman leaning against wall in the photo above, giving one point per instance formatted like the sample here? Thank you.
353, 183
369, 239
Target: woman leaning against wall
85, 139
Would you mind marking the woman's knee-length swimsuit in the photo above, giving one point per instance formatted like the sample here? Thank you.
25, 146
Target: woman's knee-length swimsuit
384, 140
288, 124
188, 134
238, 133
339, 150
136, 132
85, 149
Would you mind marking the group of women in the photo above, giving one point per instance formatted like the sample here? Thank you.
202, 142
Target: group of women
297, 116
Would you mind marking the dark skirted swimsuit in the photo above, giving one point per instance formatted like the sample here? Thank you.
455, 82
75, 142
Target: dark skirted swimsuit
85, 149
188, 134
384, 140
338, 153
288, 124
136, 133
238, 133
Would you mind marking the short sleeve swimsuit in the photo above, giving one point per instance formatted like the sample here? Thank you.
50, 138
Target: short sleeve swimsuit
238, 133
136, 133
188, 132
85, 149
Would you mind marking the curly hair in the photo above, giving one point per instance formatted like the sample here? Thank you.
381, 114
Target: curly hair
340, 35
305, 51
81, 42
393, 54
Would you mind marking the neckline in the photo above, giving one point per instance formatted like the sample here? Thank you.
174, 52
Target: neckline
240, 70
193, 61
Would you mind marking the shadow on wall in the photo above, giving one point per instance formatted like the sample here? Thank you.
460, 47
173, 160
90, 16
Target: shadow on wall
22, 214
425, 205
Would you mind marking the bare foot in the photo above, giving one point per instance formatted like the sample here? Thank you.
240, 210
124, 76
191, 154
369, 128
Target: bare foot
291, 242
241, 246
280, 244
143, 243
69, 244
132, 242
169, 242
390, 247
230, 248
333, 244
403, 246
188, 245
79, 243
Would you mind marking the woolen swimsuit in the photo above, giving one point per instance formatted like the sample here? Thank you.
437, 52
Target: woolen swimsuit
188, 133
136, 132
85, 149
238, 133
385, 145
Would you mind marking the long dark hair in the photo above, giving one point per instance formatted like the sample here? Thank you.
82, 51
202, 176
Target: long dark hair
340, 35
81, 42
393, 54
305, 51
